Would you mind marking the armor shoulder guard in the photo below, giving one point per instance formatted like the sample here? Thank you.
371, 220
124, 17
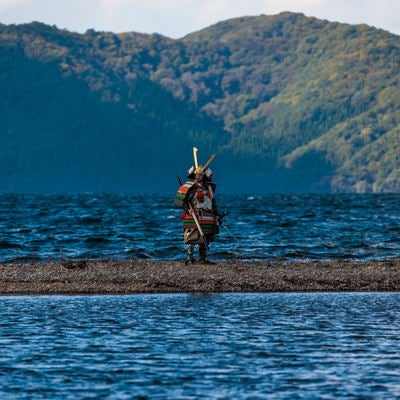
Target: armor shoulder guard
182, 192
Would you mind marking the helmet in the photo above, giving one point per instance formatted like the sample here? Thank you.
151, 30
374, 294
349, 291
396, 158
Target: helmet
200, 169
192, 172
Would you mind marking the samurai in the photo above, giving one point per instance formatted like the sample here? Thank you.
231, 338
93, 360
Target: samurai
200, 216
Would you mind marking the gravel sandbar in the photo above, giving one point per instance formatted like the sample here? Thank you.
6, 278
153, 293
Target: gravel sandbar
127, 277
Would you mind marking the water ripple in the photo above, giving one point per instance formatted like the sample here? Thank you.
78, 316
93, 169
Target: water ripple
241, 346
288, 227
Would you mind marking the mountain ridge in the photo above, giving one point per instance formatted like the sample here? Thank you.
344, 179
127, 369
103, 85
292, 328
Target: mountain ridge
291, 103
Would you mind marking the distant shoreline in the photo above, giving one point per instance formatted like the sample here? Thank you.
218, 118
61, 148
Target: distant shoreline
136, 277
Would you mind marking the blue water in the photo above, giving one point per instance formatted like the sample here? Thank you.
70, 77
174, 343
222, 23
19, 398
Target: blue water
117, 226
225, 346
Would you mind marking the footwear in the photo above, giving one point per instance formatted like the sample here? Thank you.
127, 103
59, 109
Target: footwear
205, 261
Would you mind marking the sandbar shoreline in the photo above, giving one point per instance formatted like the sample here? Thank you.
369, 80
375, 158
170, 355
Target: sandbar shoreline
139, 277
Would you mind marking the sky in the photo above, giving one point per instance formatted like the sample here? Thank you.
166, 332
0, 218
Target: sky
176, 18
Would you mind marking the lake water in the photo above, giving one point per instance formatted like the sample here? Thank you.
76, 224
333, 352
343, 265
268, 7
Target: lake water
223, 346
118, 226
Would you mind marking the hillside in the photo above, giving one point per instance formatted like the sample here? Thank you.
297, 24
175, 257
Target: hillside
289, 103
86, 130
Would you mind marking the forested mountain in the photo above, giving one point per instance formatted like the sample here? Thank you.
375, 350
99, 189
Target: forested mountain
289, 103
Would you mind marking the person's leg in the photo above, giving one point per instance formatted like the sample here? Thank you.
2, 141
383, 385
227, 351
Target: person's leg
202, 252
189, 254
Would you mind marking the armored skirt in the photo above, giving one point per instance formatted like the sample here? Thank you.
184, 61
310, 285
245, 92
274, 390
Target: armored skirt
208, 224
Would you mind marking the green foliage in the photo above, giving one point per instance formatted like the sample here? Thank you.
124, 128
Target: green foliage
275, 93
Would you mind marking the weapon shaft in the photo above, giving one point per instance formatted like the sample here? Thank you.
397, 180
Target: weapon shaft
196, 220
229, 232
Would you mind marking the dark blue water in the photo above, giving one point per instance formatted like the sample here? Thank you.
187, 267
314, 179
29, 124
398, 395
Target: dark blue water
225, 346
295, 227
